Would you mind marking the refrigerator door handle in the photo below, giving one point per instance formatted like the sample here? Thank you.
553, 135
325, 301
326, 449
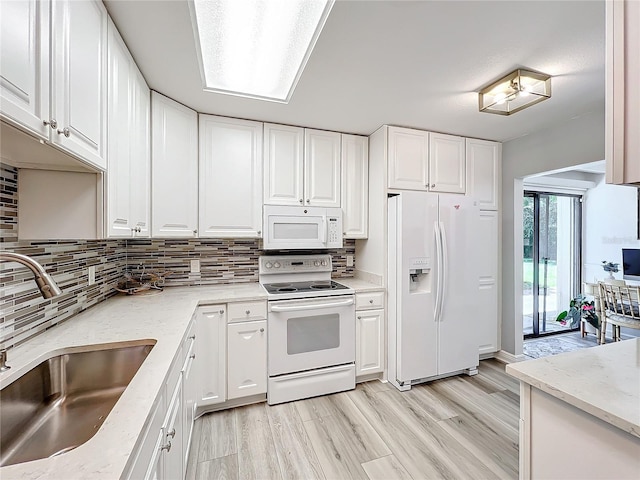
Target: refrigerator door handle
445, 262
436, 313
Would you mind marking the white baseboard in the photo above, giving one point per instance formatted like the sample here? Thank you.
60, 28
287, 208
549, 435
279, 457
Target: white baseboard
506, 357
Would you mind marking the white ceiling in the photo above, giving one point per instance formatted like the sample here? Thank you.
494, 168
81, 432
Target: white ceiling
417, 64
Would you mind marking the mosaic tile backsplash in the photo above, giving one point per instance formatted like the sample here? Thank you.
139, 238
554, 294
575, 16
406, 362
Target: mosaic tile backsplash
24, 313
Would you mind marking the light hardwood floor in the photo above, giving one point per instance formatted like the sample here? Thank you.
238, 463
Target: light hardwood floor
460, 428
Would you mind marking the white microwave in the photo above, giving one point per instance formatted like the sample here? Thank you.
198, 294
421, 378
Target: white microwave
301, 228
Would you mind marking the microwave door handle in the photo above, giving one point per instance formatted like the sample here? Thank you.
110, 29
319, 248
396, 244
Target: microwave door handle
296, 308
324, 230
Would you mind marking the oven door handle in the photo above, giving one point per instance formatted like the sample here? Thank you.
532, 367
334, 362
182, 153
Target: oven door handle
296, 308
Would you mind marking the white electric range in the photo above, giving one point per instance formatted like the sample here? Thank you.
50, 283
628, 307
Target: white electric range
311, 328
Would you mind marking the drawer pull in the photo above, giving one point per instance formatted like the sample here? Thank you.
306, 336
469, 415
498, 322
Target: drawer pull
248, 312
193, 355
192, 337
262, 330
171, 434
166, 447
221, 312
359, 318
371, 301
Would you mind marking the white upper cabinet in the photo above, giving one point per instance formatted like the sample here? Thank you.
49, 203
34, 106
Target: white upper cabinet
78, 78
302, 166
622, 100
174, 168
24, 55
128, 169
63, 98
321, 168
230, 177
283, 166
408, 159
484, 160
355, 186
446, 163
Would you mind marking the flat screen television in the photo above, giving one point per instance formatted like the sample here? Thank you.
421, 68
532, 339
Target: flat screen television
631, 263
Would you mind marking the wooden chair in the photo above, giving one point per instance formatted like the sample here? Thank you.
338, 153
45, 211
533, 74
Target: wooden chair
620, 305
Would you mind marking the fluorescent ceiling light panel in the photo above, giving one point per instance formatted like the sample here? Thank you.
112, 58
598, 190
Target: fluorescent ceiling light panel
256, 48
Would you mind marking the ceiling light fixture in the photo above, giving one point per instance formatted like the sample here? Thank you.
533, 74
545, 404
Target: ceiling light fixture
256, 48
516, 91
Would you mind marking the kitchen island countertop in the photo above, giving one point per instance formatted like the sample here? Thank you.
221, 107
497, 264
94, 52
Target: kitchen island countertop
603, 381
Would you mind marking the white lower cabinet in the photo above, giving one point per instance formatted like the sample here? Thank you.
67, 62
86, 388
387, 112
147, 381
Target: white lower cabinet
369, 333
211, 345
370, 342
189, 392
487, 315
247, 359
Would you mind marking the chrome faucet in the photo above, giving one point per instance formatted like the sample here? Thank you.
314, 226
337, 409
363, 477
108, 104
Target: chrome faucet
46, 285
3, 360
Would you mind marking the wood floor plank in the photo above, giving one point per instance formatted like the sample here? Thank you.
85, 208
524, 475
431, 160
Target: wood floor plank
490, 446
386, 468
296, 455
345, 440
223, 468
376, 386
218, 435
431, 403
257, 458
495, 371
314, 408
468, 398
419, 443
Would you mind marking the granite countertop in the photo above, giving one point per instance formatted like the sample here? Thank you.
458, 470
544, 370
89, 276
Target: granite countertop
603, 381
163, 317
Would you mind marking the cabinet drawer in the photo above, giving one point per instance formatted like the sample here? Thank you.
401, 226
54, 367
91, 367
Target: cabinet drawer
369, 300
247, 311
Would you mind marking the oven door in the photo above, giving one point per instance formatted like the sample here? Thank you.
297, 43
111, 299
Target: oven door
311, 333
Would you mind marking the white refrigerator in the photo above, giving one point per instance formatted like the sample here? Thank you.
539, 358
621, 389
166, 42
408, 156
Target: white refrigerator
433, 273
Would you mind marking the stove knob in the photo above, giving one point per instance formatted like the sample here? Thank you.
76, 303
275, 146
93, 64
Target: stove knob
276, 265
268, 265
324, 263
316, 263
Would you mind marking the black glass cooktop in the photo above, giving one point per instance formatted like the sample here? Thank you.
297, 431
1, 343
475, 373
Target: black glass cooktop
302, 287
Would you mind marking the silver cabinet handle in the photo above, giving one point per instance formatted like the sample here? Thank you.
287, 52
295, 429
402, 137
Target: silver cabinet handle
195, 232
248, 312
193, 355
65, 131
172, 433
433, 185
259, 232
221, 312
307, 200
300, 201
359, 318
192, 337
166, 447
52, 123
370, 301
262, 330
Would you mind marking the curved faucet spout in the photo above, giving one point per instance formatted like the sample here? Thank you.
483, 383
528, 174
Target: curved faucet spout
46, 285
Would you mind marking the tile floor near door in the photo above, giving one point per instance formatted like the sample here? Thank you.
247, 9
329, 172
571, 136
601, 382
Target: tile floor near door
460, 428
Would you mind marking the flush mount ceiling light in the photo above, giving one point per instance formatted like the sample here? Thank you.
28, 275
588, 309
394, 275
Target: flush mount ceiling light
256, 48
516, 91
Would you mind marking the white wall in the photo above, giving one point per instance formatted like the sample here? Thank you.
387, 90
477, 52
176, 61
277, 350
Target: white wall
579, 141
609, 225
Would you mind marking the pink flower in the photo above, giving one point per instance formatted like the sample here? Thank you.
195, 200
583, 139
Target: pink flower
587, 307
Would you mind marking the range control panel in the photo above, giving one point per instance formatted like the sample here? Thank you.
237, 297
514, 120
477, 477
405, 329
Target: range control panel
294, 263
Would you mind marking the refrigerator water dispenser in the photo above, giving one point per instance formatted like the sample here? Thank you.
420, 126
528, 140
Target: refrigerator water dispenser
420, 275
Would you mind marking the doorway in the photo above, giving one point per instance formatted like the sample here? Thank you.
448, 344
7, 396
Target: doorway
552, 226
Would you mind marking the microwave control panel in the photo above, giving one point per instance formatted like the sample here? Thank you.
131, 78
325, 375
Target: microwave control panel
334, 233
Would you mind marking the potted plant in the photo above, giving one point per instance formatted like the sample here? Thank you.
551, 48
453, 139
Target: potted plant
579, 307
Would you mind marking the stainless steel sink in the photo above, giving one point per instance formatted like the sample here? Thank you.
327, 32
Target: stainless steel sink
62, 402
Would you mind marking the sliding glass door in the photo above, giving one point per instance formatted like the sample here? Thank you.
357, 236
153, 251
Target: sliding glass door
551, 269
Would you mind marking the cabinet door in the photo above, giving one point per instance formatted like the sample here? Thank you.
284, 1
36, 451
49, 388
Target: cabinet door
247, 356
120, 108
211, 345
447, 161
355, 186
79, 80
24, 55
140, 167
283, 152
483, 172
408, 157
189, 389
369, 341
173, 436
230, 177
321, 168
487, 311
174, 168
